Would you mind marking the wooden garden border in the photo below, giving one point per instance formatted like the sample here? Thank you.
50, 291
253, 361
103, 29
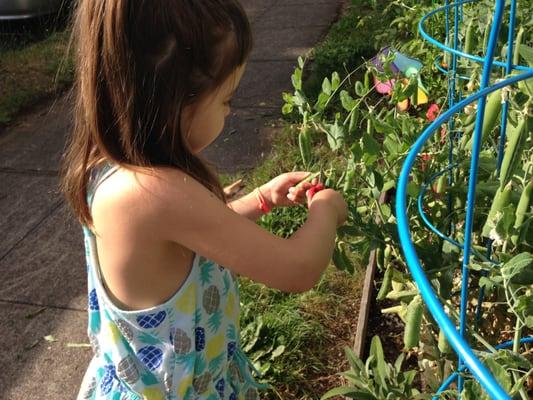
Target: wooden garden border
366, 298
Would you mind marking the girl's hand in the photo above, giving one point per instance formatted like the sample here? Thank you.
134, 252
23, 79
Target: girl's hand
334, 199
282, 191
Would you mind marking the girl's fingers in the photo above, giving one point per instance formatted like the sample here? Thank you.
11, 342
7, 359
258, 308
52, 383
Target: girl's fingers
298, 176
291, 197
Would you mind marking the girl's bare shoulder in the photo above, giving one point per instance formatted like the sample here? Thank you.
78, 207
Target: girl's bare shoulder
145, 194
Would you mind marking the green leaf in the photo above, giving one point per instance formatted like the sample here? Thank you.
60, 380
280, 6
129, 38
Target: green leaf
376, 349
287, 97
321, 102
335, 136
326, 86
346, 391
296, 79
371, 149
399, 361
527, 53
391, 144
278, 352
357, 151
519, 384
347, 101
355, 363
389, 185
335, 81
500, 374
301, 62
413, 189
519, 269
287, 109
472, 391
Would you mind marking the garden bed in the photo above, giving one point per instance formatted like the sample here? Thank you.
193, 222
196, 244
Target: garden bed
361, 138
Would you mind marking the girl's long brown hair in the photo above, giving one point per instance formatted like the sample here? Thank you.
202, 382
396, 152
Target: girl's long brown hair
138, 63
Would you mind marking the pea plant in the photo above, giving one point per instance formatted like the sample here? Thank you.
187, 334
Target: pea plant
360, 139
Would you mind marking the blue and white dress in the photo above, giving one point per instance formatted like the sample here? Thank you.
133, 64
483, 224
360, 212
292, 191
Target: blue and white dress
185, 349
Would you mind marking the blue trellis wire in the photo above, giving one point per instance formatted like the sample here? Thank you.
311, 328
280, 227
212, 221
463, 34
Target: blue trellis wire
434, 306
467, 359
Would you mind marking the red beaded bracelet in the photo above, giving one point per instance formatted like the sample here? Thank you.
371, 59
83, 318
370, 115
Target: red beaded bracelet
262, 204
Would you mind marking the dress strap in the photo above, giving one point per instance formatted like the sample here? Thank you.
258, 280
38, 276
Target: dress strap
99, 175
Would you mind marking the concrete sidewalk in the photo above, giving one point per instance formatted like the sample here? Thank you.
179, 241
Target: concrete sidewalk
43, 285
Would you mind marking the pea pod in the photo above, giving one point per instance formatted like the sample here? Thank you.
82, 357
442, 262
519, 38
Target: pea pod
304, 142
443, 344
513, 152
518, 42
367, 81
359, 89
387, 254
493, 108
521, 209
411, 335
441, 184
469, 37
379, 258
386, 284
349, 179
308, 179
447, 57
369, 126
501, 199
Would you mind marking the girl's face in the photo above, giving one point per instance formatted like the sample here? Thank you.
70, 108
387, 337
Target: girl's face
202, 122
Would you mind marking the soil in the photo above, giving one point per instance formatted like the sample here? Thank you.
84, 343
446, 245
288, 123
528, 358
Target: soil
340, 321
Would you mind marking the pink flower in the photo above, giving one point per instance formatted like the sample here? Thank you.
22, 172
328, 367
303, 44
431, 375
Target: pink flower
443, 134
426, 158
433, 112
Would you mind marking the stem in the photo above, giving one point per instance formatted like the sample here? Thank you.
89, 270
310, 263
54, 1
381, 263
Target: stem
340, 85
516, 349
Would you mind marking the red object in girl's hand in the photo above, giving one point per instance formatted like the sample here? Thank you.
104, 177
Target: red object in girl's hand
313, 190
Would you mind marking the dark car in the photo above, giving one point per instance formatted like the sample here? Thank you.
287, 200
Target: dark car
21, 9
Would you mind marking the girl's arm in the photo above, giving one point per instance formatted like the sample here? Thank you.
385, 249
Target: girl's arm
248, 205
183, 211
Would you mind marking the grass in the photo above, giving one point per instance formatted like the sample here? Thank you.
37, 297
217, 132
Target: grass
32, 73
296, 340
356, 37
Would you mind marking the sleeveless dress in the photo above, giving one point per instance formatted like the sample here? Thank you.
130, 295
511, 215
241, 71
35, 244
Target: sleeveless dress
187, 348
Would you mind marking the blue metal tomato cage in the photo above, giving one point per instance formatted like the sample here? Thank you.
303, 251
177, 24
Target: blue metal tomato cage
467, 359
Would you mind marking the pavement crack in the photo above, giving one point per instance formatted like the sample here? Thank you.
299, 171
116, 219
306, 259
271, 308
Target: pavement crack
33, 229
43, 306
29, 171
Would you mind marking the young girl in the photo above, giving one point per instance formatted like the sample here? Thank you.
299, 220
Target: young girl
154, 83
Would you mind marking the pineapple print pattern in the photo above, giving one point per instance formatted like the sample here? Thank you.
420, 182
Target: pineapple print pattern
93, 340
182, 342
184, 349
201, 383
211, 299
151, 320
89, 390
127, 370
151, 356
125, 330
